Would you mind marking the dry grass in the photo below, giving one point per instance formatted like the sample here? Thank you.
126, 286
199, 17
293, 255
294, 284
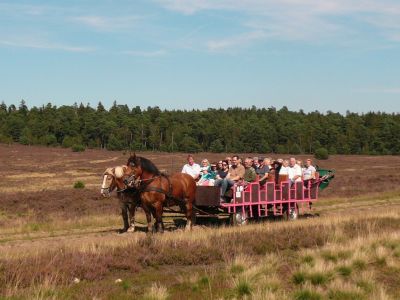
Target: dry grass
57, 242
259, 259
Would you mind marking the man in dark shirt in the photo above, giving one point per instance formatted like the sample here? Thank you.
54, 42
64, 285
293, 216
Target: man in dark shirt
263, 171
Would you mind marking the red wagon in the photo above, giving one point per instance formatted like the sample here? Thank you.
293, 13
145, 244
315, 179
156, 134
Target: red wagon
256, 201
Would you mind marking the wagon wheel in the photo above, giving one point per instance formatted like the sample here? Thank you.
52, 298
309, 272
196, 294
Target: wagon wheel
239, 218
291, 214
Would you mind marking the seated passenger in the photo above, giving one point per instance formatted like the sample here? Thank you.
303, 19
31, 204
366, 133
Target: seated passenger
223, 171
205, 166
256, 163
191, 168
249, 173
300, 163
229, 159
219, 165
235, 173
208, 175
308, 173
284, 170
263, 170
294, 171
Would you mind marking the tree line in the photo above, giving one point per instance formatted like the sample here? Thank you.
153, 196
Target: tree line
261, 130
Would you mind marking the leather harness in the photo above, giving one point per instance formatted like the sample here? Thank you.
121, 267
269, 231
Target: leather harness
143, 188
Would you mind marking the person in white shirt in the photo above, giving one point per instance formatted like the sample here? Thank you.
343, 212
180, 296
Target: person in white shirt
294, 171
285, 167
308, 172
191, 168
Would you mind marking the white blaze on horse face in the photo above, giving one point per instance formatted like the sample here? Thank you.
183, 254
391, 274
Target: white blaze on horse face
103, 186
107, 181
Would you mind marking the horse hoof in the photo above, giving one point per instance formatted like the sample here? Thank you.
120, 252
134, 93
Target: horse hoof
123, 230
131, 229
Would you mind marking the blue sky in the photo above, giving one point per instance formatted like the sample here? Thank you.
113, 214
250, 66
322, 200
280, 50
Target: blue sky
306, 54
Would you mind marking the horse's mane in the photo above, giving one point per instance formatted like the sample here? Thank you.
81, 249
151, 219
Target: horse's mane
144, 163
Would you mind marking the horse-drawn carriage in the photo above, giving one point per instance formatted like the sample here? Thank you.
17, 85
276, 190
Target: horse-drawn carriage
140, 183
253, 200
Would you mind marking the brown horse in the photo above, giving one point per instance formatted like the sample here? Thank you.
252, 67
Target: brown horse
113, 178
158, 190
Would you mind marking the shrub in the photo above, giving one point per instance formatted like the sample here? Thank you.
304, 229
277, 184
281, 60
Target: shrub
70, 141
281, 149
299, 278
78, 148
217, 146
344, 271
359, 264
114, 144
295, 149
318, 278
236, 269
321, 153
5, 139
79, 185
48, 140
243, 288
308, 259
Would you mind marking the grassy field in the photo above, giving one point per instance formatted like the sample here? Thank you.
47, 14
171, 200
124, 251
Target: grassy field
60, 242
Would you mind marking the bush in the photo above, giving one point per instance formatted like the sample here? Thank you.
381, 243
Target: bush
70, 141
114, 144
79, 185
281, 149
5, 139
295, 149
217, 146
48, 140
321, 153
78, 148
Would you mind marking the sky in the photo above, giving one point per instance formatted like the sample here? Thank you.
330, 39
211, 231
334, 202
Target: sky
331, 55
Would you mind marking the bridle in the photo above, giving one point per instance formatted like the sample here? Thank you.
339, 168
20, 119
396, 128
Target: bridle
106, 191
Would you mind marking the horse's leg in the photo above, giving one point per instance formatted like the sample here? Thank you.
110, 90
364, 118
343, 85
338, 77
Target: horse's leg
148, 217
132, 211
159, 223
124, 213
189, 214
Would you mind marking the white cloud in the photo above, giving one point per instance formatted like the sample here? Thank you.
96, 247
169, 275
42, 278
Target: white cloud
235, 41
145, 53
24, 9
384, 90
41, 44
102, 23
310, 20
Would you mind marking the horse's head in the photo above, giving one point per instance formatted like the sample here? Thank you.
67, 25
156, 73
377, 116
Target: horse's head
113, 178
134, 166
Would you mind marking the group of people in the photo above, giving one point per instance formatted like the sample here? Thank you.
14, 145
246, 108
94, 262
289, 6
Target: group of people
233, 170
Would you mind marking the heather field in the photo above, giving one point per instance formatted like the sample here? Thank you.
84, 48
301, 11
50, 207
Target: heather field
57, 242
